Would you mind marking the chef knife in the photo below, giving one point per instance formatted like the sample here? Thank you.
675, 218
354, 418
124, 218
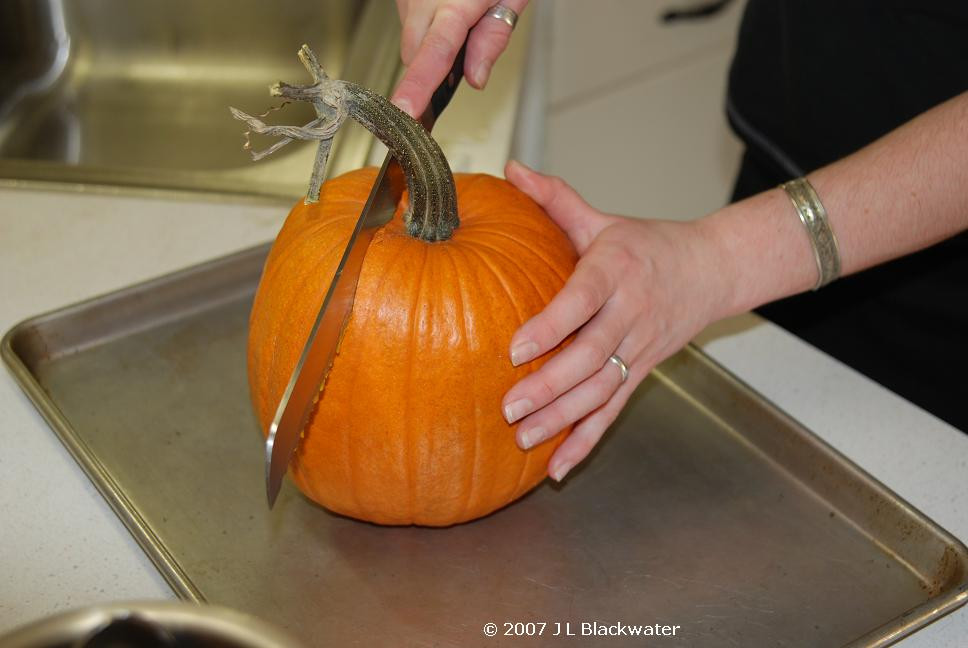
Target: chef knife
319, 351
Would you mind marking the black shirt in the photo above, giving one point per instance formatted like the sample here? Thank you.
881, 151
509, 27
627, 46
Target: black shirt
813, 81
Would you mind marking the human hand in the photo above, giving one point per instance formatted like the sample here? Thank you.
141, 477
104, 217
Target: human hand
642, 289
433, 32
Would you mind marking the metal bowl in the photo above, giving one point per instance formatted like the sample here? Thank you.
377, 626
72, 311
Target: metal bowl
150, 624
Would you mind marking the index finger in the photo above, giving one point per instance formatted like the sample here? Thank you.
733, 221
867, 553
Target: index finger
433, 60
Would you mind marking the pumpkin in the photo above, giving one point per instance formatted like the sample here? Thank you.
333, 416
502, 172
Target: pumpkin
407, 428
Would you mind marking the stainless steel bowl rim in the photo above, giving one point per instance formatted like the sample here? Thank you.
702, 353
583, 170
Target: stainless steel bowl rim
228, 625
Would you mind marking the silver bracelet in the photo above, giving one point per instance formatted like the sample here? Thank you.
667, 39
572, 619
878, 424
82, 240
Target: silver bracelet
814, 218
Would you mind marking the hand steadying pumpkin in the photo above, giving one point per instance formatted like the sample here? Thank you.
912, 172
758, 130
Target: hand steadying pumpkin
642, 289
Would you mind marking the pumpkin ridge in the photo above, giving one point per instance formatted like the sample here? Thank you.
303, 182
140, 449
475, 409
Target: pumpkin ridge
486, 262
485, 224
411, 337
378, 296
289, 305
294, 243
337, 202
521, 487
480, 186
469, 488
485, 227
318, 226
472, 179
275, 334
498, 250
350, 447
468, 186
273, 262
310, 273
290, 242
347, 442
513, 263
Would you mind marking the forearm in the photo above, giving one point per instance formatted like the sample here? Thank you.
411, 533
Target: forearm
904, 192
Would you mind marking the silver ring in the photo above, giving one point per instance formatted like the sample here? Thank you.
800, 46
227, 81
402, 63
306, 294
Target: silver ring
617, 361
504, 14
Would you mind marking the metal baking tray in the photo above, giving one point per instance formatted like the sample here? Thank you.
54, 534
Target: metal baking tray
705, 507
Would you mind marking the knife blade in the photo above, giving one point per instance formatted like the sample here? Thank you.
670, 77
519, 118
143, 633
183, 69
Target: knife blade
319, 351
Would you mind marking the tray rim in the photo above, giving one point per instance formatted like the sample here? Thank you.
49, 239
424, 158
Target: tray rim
887, 634
147, 540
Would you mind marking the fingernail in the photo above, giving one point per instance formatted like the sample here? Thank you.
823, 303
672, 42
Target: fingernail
481, 73
560, 471
523, 352
517, 409
524, 177
404, 105
531, 437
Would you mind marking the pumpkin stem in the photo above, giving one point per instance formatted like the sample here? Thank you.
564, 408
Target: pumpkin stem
432, 213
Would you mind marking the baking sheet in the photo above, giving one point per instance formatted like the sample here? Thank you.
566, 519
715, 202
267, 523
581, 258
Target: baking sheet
704, 508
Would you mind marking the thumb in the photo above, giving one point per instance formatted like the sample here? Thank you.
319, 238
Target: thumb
579, 220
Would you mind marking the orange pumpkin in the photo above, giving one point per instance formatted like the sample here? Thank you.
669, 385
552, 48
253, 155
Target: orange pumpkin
408, 427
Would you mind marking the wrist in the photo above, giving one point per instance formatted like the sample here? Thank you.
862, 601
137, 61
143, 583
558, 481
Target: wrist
716, 267
761, 252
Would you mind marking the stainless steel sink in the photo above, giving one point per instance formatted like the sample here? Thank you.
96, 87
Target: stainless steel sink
115, 93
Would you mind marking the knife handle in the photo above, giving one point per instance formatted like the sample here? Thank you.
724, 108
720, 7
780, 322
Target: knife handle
443, 94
